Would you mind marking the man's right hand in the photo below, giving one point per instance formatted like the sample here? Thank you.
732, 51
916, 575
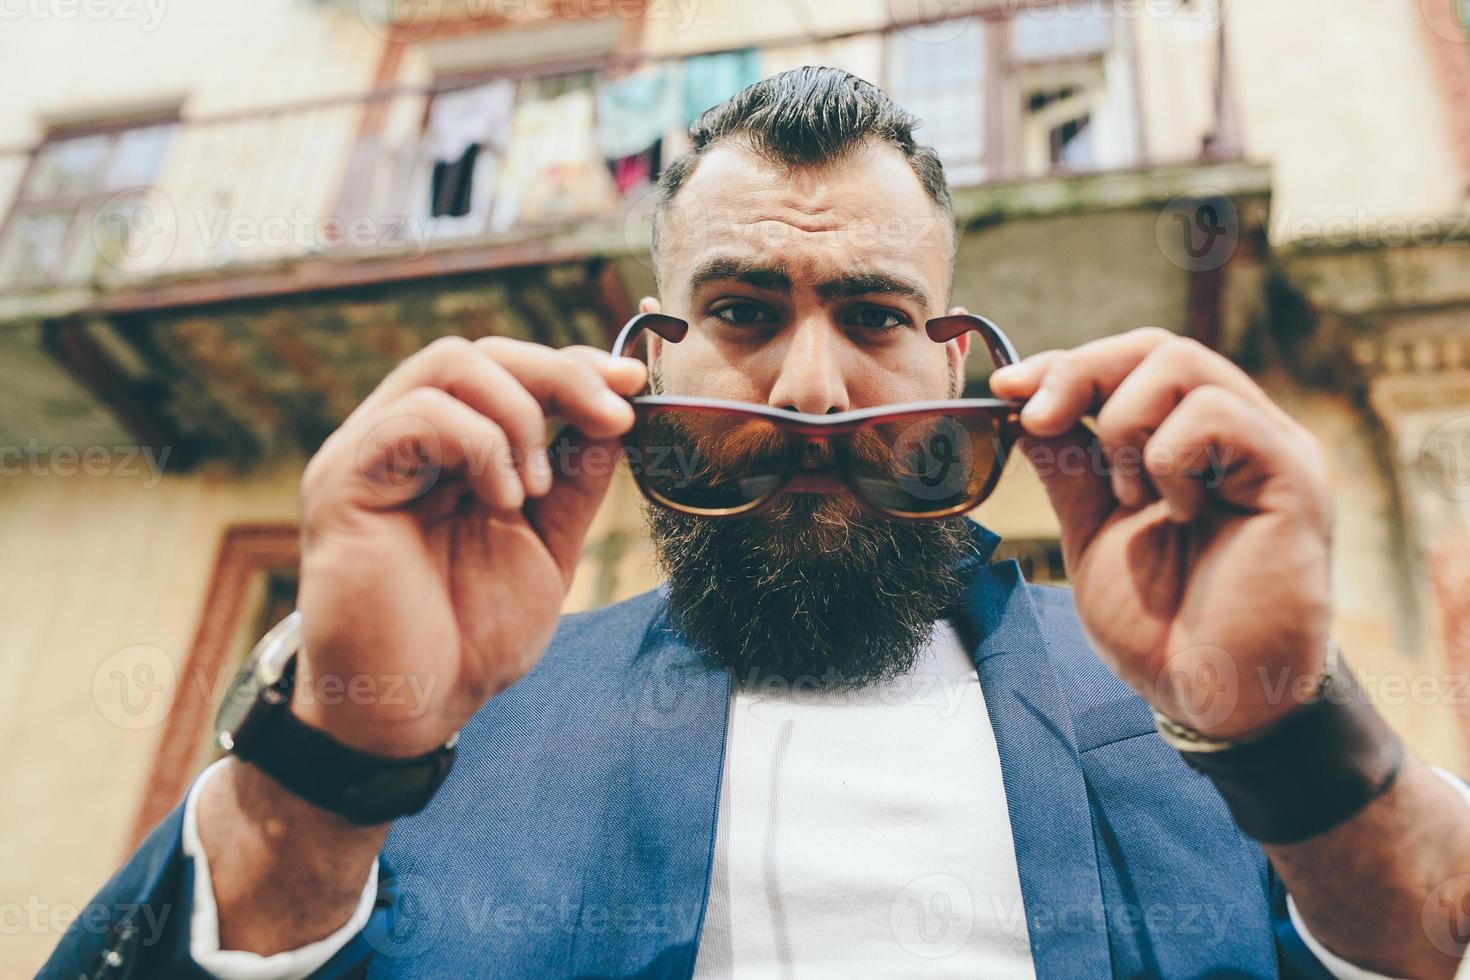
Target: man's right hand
437, 543
437, 547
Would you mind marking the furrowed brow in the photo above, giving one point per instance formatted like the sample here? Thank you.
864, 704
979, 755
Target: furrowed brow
738, 270
871, 283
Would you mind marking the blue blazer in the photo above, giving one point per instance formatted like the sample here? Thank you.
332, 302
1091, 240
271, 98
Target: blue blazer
575, 836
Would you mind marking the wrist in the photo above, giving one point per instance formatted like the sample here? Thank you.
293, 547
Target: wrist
1312, 769
283, 872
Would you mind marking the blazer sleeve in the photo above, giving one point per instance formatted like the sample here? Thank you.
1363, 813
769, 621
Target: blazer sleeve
137, 925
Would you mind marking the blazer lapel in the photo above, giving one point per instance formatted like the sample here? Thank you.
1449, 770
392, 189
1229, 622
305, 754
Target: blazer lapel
1051, 817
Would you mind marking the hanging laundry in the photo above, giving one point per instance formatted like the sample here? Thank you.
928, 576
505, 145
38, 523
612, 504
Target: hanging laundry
635, 110
554, 168
466, 135
449, 192
481, 114
638, 169
712, 78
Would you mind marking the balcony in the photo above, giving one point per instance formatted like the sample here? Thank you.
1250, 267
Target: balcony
232, 285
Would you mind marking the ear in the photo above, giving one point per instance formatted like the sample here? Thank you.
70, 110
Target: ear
958, 351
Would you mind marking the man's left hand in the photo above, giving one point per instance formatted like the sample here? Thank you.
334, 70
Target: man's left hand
1196, 523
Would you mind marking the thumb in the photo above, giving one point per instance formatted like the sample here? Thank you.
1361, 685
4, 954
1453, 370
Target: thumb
1074, 471
582, 469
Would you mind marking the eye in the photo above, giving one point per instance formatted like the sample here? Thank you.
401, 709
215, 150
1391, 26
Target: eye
877, 318
744, 314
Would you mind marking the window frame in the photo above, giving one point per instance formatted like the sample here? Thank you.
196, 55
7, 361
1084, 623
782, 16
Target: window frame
24, 204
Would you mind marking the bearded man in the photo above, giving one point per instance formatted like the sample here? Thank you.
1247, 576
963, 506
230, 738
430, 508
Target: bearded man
841, 741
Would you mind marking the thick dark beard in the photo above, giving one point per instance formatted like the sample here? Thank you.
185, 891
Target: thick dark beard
809, 592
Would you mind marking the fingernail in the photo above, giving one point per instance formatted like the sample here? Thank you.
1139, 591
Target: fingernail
1038, 405
540, 467
614, 402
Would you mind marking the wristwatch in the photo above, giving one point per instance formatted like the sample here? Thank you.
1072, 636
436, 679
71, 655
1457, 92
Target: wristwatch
256, 724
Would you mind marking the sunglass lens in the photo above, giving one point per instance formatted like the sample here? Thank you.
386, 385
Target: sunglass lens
927, 465
705, 462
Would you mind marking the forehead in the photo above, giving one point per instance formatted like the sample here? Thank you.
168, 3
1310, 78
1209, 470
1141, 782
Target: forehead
866, 211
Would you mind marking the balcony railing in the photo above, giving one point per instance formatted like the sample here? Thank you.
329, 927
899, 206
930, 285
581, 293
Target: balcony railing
507, 156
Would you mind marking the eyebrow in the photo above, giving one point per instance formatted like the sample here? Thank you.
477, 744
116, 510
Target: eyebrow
860, 282
772, 277
870, 283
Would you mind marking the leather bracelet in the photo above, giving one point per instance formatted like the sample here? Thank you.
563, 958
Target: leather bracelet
1315, 769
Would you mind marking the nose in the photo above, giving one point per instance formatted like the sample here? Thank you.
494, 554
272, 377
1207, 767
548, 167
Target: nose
811, 378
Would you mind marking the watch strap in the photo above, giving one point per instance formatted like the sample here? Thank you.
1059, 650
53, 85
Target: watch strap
363, 788
1314, 770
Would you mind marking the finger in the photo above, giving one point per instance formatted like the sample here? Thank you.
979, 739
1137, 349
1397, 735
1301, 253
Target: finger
1217, 445
576, 386
625, 375
1020, 380
425, 439
583, 467
1151, 391
1072, 469
455, 366
1080, 381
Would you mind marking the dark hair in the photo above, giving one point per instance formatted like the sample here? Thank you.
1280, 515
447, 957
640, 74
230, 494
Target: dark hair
805, 117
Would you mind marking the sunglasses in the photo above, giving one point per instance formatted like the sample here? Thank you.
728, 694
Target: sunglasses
918, 461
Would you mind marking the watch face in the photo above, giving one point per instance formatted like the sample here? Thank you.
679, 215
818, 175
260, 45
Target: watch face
232, 712
262, 670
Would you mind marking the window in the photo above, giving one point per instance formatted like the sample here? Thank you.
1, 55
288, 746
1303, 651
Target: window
938, 73
78, 205
1059, 113
1059, 32
1038, 83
